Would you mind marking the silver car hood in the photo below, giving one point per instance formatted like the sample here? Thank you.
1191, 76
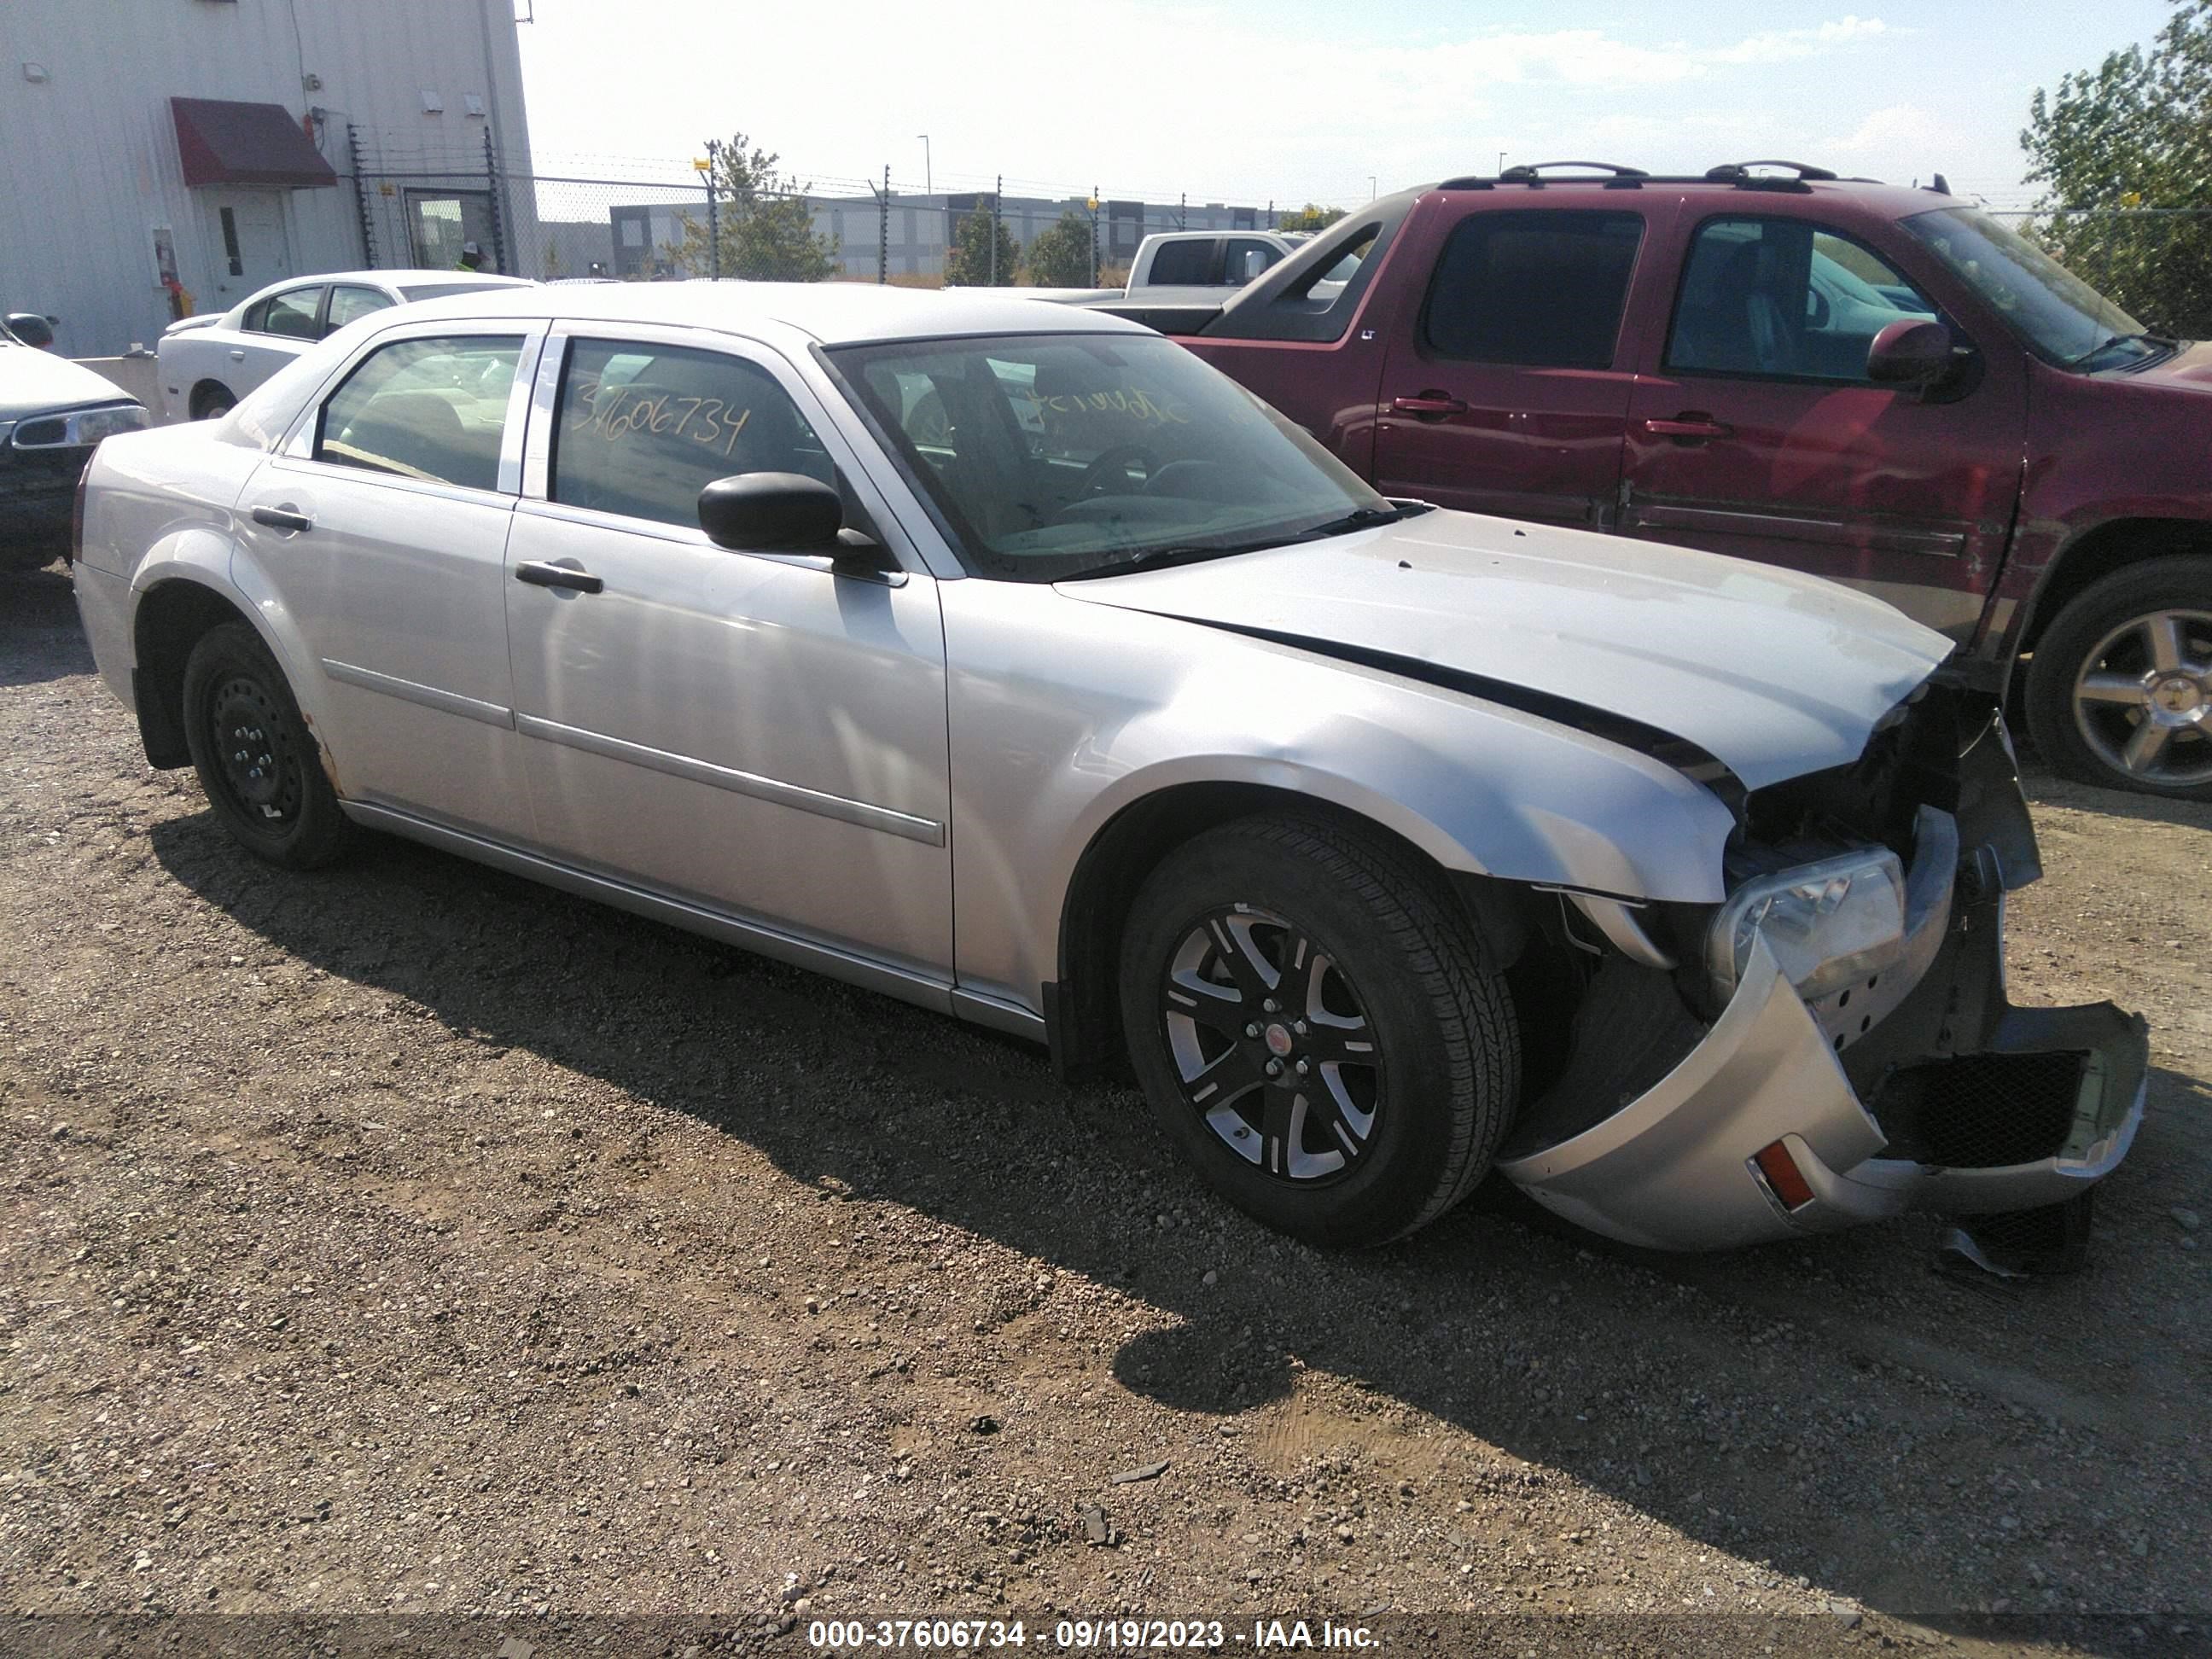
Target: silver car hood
1772, 673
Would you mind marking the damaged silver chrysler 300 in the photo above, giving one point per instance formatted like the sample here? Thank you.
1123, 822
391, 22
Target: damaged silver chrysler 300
1014, 662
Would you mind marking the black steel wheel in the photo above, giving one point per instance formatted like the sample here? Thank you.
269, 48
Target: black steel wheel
255, 756
1318, 1027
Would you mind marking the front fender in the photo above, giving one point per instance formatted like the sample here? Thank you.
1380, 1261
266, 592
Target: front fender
1065, 715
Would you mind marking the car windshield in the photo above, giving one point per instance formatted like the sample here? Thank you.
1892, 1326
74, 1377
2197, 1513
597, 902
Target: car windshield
1054, 455
2062, 319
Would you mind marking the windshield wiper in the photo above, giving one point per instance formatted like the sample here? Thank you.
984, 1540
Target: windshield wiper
1364, 518
1154, 558
2159, 341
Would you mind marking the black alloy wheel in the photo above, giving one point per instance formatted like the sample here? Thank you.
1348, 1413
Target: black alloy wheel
1319, 1026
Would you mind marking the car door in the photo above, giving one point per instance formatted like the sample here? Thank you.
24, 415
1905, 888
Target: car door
751, 732
380, 527
1509, 391
271, 334
1760, 434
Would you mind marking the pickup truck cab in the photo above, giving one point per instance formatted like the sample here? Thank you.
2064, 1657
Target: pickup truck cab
1879, 385
1207, 258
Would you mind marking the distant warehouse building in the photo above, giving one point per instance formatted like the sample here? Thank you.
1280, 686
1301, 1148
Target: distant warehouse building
920, 229
167, 153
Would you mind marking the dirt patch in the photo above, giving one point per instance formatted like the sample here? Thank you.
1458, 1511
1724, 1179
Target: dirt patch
408, 1238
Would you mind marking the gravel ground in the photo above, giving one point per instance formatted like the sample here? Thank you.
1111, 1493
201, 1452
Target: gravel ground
407, 1239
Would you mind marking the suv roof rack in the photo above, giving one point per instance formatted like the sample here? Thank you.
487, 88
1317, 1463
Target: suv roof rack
1801, 176
1730, 173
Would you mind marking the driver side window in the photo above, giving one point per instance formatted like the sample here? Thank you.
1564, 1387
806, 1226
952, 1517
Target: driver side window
642, 428
1784, 299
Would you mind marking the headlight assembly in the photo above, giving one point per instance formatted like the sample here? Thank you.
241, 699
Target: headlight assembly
1827, 923
80, 428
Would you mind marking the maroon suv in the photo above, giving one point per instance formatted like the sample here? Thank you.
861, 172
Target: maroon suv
1876, 384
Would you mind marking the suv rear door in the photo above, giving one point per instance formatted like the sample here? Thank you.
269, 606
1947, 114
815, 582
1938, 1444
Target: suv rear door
1509, 391
1760, 435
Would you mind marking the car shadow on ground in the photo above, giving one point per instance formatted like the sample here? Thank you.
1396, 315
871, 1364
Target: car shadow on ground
1796, 1390
39, 626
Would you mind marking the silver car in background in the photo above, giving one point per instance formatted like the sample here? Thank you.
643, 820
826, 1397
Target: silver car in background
1012, 661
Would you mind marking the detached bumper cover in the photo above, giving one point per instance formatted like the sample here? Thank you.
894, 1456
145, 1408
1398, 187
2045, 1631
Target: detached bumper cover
1930, 1092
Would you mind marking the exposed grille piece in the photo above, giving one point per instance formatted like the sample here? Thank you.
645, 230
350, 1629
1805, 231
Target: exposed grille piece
1981, 1111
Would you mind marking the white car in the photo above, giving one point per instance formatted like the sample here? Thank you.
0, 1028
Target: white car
208, 363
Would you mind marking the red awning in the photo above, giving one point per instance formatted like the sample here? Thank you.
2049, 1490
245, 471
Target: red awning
227, 143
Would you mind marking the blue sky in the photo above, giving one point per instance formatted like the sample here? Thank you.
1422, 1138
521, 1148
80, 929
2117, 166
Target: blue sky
1297, 99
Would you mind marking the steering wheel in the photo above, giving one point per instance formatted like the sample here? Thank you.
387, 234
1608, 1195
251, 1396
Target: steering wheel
1117, 459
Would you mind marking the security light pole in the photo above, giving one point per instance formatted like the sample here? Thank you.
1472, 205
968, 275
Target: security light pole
928, 180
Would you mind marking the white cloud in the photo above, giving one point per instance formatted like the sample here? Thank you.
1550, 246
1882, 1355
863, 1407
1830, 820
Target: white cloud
1782, 46
1896, 127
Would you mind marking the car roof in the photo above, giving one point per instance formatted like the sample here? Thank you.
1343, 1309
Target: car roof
1892, 201
390, 278
829, 314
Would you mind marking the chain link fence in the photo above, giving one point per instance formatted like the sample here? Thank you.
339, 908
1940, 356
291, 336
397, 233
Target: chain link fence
2154, 263
420, 208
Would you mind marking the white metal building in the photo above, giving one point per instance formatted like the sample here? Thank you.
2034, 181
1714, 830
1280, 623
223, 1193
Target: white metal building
160, 148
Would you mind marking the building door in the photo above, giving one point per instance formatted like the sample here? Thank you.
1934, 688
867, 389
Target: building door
246, 231
439, 221
1509, 391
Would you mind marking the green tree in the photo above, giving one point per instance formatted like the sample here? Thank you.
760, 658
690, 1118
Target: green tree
1061, 254
1312, 216
969, 264
2134, 134
767, 227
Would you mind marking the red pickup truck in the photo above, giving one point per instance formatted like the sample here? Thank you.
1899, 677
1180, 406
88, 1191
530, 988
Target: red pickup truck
1879, 384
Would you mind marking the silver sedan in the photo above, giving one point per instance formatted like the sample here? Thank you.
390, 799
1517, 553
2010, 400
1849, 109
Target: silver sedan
1010, 661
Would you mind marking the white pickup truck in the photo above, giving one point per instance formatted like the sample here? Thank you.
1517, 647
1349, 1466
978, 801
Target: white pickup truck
1185, 268
1207, 258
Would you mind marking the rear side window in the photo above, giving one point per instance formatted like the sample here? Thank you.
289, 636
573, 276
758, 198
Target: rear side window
642, 428
291, 313
1182, 264
1247, 258
1541, 290
433, 410
350, 304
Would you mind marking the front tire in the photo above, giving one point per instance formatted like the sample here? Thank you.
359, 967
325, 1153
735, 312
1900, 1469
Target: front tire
1318, 1029
2119, 691
258, 762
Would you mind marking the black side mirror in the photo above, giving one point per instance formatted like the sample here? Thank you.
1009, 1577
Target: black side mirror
1909, 352
32, 329
787, 513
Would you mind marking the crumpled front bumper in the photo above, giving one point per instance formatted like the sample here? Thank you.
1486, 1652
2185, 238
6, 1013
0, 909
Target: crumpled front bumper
1941, 1097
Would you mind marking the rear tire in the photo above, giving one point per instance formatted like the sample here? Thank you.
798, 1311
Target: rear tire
2119, 691
212, 403
260, 764
1381, 989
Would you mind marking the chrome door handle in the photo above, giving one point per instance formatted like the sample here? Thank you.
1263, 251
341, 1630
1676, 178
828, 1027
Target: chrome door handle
237, 355
1428, 403
283, 518
538, 573
1689, 424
